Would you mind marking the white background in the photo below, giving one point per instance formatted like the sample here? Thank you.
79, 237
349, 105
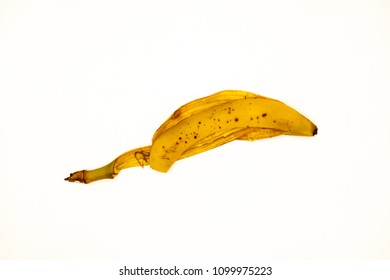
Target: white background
84, 81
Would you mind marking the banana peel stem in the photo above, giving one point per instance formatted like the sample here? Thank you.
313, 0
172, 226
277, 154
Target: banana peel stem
133, 158
88, 176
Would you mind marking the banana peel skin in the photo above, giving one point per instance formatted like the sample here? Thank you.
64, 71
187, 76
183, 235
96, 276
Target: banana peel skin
204, 124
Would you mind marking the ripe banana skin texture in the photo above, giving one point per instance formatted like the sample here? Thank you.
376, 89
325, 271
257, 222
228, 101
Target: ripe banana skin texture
204, 124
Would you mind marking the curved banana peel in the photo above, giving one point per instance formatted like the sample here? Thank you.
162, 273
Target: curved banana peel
205, 124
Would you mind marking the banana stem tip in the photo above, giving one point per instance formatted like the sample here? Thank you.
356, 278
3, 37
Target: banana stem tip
77, 176
315, 131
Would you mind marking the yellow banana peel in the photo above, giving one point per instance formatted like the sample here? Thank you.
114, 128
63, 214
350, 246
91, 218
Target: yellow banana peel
204, 124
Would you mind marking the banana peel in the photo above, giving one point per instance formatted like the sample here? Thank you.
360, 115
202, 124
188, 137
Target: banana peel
204, 124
